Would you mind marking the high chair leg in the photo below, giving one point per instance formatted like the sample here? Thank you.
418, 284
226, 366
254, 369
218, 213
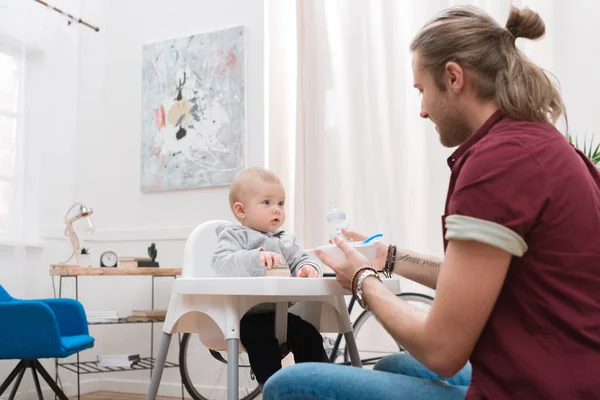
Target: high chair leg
352, 349
232, 369
159, 367
281, 322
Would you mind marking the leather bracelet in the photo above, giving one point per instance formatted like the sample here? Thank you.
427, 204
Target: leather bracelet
390, 261
386, 267
393, 262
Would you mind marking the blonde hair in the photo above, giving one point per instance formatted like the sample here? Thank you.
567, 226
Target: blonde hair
472, 39
244, 184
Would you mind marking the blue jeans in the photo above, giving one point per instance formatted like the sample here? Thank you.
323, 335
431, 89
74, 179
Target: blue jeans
395, 377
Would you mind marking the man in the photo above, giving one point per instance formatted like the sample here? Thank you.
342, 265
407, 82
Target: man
517, 293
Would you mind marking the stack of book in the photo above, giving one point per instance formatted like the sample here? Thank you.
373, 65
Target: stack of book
117, 360
101, 316
147, 315
133, 262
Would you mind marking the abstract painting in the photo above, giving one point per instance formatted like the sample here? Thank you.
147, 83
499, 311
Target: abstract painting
193, 111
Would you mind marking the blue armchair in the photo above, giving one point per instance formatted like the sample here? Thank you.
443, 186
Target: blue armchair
33, 329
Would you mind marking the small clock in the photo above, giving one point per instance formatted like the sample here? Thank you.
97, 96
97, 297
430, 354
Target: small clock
109, 259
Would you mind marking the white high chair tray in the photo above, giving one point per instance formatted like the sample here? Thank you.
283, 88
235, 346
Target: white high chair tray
269, 286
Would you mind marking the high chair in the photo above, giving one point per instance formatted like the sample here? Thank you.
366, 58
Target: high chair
212, 306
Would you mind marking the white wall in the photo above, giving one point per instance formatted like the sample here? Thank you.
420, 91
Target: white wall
108, 141
108, 158
49, 51
84, 145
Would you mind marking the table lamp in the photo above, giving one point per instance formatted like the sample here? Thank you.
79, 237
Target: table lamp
82, 212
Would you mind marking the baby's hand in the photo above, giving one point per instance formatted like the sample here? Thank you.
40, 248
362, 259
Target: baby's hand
269, 259
308, 271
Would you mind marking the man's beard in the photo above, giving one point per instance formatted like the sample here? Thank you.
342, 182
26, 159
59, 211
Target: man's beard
451, 126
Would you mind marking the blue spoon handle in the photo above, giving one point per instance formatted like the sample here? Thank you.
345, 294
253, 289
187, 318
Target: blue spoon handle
371, 238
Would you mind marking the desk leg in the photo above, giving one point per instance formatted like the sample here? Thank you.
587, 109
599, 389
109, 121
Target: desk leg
351, 345
232, 369
160, 365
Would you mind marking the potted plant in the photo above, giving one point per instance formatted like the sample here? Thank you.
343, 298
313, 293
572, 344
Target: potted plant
152, 253
85, 259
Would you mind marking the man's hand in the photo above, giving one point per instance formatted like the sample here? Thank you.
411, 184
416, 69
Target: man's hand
382, 248
269, 259
308, 271
344, 269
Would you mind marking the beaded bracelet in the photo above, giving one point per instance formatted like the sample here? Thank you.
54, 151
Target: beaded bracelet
353, 283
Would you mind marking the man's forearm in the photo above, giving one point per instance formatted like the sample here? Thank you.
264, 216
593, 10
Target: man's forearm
417, 267
403, 322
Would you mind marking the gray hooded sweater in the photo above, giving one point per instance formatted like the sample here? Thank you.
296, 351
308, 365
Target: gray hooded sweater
238, 249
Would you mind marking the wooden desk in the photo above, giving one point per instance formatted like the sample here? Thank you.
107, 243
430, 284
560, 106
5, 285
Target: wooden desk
76, 270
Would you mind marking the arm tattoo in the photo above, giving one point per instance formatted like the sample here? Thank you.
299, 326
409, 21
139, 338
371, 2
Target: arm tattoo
433, 264
418, 261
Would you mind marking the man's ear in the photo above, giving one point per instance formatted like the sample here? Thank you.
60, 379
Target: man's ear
238, 210
454, 77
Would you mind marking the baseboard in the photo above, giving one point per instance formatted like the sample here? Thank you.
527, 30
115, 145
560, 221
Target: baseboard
167, 389
85, 386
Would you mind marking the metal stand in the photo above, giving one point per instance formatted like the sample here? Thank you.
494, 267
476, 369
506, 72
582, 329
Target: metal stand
89, 367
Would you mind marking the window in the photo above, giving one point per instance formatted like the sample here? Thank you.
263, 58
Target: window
9, 121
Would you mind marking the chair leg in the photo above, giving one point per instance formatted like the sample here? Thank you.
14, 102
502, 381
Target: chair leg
233, 371
353, 349
59, 393
38, 389
161, 358
13, 392
11, 376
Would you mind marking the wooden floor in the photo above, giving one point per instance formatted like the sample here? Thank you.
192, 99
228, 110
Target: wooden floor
119, 396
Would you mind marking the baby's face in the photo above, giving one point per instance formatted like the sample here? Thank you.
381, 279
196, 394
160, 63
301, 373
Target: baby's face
265, 209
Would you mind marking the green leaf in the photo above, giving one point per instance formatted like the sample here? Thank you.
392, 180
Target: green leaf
590, 148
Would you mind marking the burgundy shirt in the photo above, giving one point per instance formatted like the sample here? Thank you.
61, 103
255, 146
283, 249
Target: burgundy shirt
542, 339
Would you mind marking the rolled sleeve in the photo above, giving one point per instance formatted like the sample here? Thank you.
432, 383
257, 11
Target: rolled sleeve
498, 197
460, 227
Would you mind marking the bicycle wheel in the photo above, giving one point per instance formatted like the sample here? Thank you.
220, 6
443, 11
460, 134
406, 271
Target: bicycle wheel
372, 340
204, 371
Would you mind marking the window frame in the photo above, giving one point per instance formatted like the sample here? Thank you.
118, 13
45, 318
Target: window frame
14, 232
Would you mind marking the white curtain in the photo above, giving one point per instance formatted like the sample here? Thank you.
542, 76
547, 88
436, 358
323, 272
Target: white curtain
45, 49
344, 121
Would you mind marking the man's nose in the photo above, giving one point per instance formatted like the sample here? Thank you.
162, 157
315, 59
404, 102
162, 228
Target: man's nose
423, 114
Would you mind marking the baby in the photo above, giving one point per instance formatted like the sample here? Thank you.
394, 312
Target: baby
257, 199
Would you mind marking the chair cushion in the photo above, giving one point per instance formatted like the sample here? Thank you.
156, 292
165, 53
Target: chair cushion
73, 344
